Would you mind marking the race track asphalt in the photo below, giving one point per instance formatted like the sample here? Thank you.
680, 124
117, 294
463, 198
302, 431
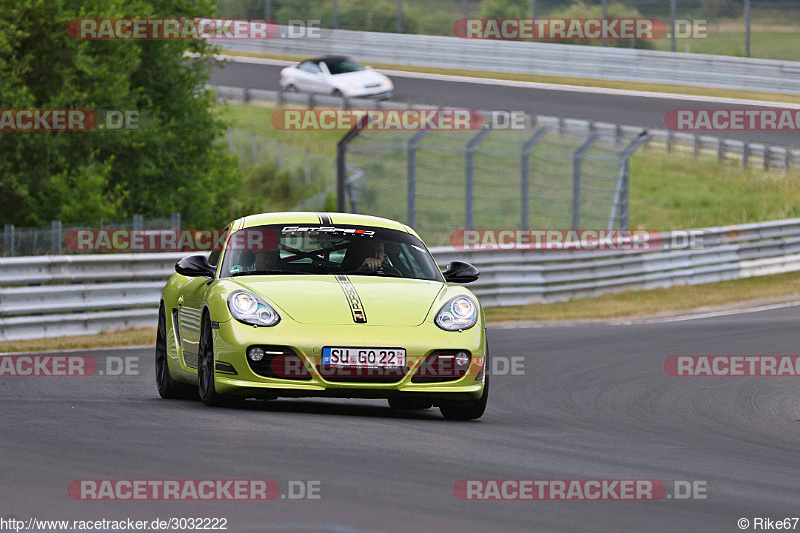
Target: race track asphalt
644, 111
594, 402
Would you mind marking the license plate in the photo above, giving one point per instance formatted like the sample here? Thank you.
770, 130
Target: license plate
379, 357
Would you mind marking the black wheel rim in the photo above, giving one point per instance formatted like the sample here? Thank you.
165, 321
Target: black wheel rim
161, 350
206, 363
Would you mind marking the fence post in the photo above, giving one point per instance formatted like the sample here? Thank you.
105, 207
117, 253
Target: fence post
767, 156
307, 179
576, 179
670, 135
55, 237
621, 200
745, 154
720, 149
8, 239
469, 189
138, 222
341, 163
175, 221
696, 145
411, 177
525, 173
399, 16
335, 14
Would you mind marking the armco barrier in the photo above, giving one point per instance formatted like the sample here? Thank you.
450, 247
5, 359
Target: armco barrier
748, 153
624, 64
52, 296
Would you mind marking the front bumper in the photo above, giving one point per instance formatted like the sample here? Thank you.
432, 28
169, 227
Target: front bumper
379, 93
233, 338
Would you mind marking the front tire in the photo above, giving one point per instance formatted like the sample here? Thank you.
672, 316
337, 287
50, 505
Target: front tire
168, 388
205, 368
470, 410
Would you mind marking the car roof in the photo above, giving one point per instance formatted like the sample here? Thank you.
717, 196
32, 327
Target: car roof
297, 217
327, 58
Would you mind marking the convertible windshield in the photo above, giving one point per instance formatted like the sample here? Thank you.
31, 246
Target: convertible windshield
342, 66
316, 249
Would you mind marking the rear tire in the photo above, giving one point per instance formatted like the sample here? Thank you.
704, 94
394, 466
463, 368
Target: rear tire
409, 404
291, 89
467, 411
168, 388
205, 370
337, 93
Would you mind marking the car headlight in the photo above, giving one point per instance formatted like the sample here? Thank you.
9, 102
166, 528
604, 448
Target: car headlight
351, 88
387, 83
457, 314
251, 309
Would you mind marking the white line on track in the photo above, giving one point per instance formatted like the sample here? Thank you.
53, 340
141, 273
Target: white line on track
537, 85
633, 322
713, 314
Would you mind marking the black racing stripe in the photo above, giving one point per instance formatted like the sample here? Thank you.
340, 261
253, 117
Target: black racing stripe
319, 216
353, 299
325, 218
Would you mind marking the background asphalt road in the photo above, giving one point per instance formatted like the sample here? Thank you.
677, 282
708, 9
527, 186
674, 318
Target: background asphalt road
647, 112
594, 402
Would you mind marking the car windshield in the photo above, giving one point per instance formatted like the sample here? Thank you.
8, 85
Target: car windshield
317, 249
342, 66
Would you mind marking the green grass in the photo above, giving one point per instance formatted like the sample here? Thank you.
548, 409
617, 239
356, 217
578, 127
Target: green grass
681, 191
667, 190
783, 45
660, 302
108, 339
256, 119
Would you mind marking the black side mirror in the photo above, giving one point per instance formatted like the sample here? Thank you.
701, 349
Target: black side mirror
195, 266
460, 272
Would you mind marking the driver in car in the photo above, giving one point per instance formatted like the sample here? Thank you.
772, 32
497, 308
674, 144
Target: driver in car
266, 260
367, 254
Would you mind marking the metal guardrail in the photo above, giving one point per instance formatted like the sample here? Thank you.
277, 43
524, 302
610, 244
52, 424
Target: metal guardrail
747, 153
56, 296
52, 296
546, 59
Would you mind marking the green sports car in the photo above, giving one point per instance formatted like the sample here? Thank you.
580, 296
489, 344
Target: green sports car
323, 304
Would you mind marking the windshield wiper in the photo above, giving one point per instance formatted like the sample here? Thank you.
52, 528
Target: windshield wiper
263, 272
370, 273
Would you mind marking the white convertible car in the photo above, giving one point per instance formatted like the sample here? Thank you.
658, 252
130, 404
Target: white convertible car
337, 76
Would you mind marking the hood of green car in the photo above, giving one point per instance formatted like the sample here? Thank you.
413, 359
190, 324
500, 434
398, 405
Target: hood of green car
329, 299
